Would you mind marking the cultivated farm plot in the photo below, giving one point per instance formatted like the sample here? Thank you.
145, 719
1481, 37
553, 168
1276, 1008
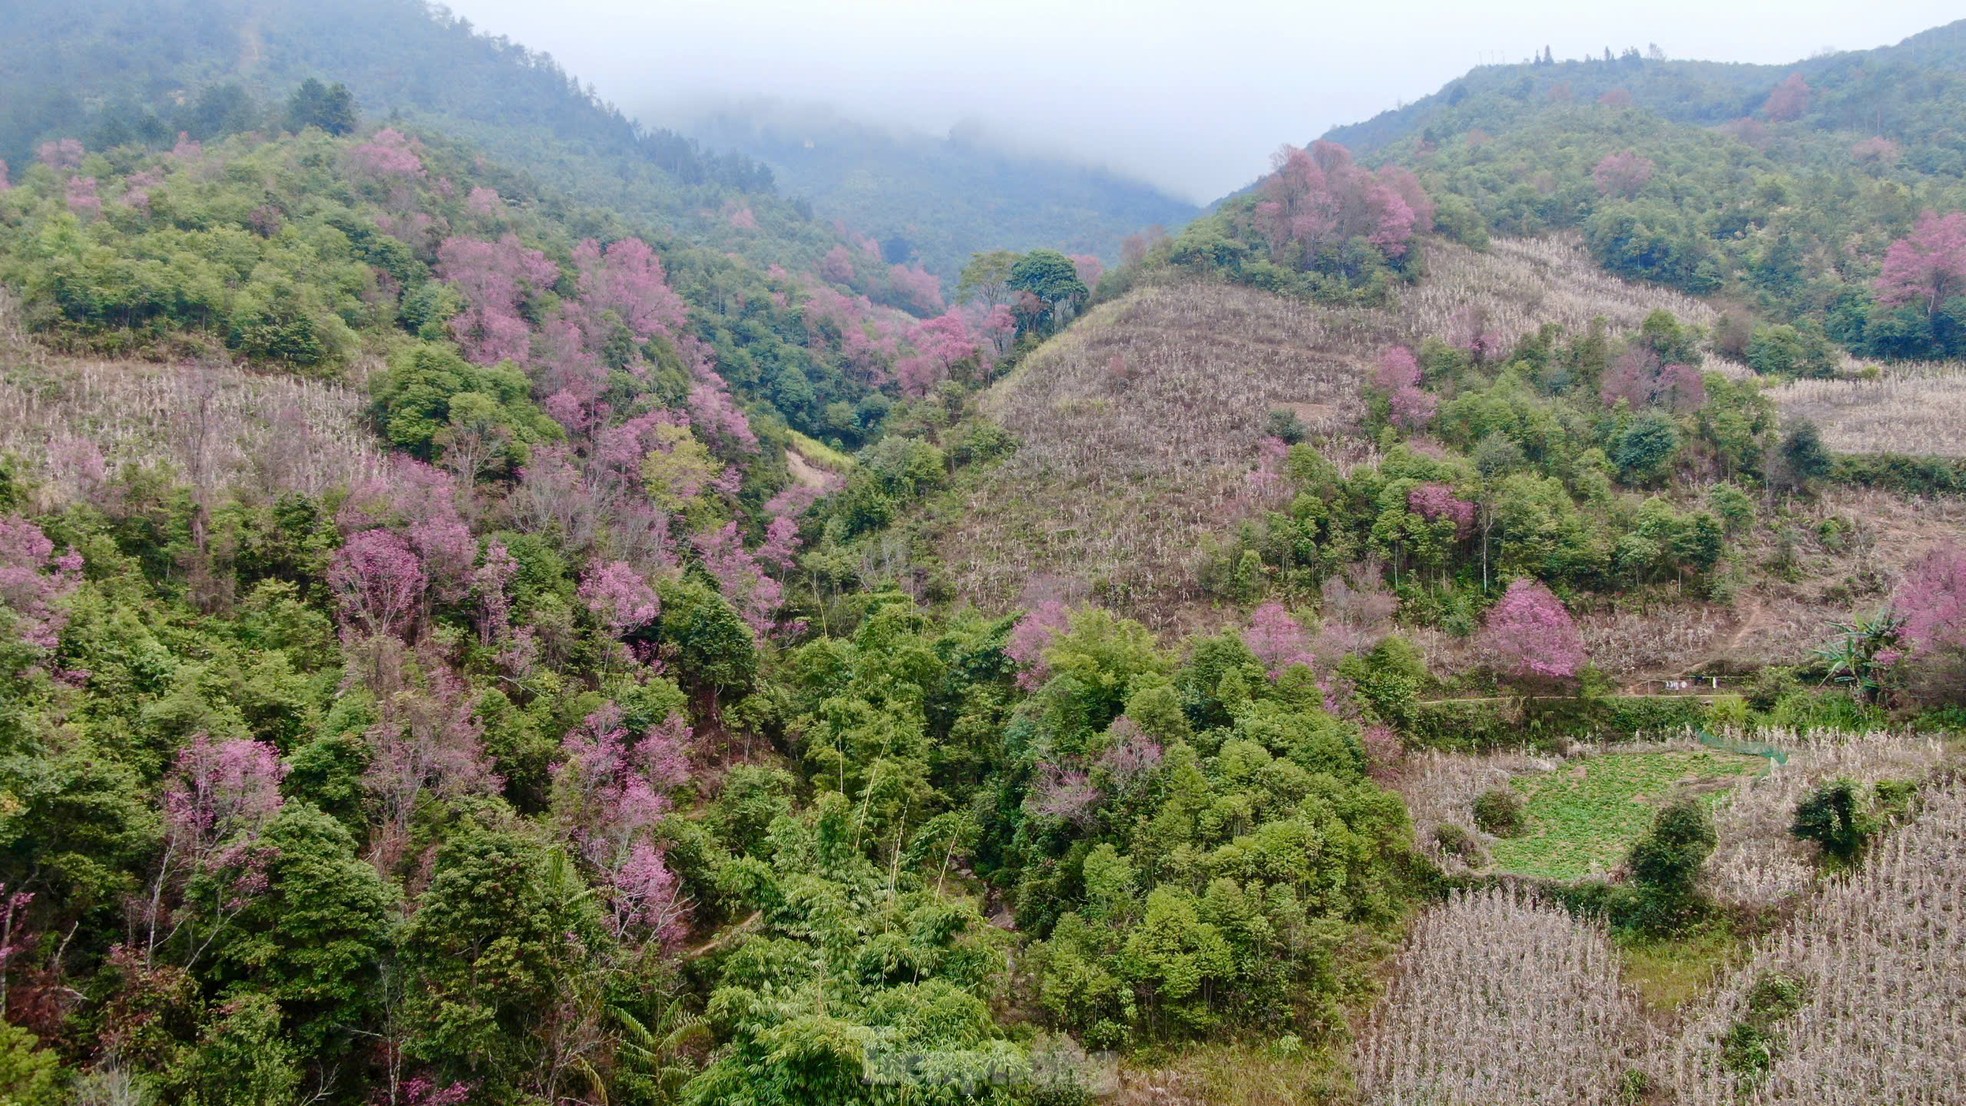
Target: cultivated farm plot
1910, 409
1582, 818
73, 420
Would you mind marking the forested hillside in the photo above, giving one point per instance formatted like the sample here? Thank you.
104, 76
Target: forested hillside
940, 200
1778, 187
497, 606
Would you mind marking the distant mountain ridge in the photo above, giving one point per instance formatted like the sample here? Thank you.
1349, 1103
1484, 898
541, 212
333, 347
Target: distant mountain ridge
939, 200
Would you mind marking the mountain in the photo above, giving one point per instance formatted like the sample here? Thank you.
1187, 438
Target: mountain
939, 200
498, 606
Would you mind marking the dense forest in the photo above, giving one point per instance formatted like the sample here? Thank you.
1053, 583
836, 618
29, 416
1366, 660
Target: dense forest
500, 605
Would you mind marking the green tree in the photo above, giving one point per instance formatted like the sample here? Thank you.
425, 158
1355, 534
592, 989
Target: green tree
1053, 283
329, 107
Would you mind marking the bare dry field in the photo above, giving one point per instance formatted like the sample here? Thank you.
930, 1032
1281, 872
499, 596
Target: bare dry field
1912, 409
1137, 428
69, 419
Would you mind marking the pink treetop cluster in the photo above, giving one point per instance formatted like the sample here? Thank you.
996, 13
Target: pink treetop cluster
137, 194
1927, 266
33, 581
837, 265
1472, 333
1398, 376
916, 287
388, 153
378, 582
1932, 601
1063, 793
218, 790
717, 416
491, 583
627, 280
1434, 502
493, 278
612, 795
1789, 100
755, 595
620, 597
1319, 199
484, 202
941, 344
1131, 758
187, 148
428, 741
1529, 632
1636, 379
5, 183
1624, 174
1876, 150
1278, 640
64, 155
1265, 484
1031, 637
1089, 268
80, 194
742, 218
419, 501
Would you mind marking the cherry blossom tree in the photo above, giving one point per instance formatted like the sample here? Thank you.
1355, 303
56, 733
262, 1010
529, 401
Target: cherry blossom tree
1277, 639
917, 288
1932, 601
1131, 757
428, 742
1316, 200
63, 155
493, 278
80, 195
620, 597
1927, 266
1529, 632
1398, 377
755, 595
1031, 637
1089, 268
743, 218
387, 153
217, 798
1623, 174
1434, 502
484, 202
377, 581
610, 792
941, 345
1789, 100
1063, 793
718, 417
491, 583
837, 265
33, 582
626, 282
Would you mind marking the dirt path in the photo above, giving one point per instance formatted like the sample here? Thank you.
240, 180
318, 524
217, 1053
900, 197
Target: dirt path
804, 471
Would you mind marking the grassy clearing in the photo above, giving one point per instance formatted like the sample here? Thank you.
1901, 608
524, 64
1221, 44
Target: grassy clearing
1667, 973
1582, 818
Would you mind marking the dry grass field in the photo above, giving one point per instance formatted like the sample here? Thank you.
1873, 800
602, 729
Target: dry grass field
1913, 409
70, 419
1877, 967
1138, 426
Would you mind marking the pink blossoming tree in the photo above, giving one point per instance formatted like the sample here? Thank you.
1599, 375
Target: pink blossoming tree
1927, 266
1529, 633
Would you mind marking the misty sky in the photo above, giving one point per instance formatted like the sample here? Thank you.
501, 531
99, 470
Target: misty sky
1191, 95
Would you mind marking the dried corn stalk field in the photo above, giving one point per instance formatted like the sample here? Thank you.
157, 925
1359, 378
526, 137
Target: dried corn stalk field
1912, 409
217, 426
1138, 427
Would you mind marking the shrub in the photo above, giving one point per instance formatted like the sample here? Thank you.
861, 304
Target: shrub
1836, 817
1665, 867
1498, 812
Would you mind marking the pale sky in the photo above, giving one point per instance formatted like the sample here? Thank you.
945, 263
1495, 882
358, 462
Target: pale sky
1193, 96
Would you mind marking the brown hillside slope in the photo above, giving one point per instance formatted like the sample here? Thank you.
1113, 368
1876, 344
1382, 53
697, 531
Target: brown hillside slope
1139, 425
